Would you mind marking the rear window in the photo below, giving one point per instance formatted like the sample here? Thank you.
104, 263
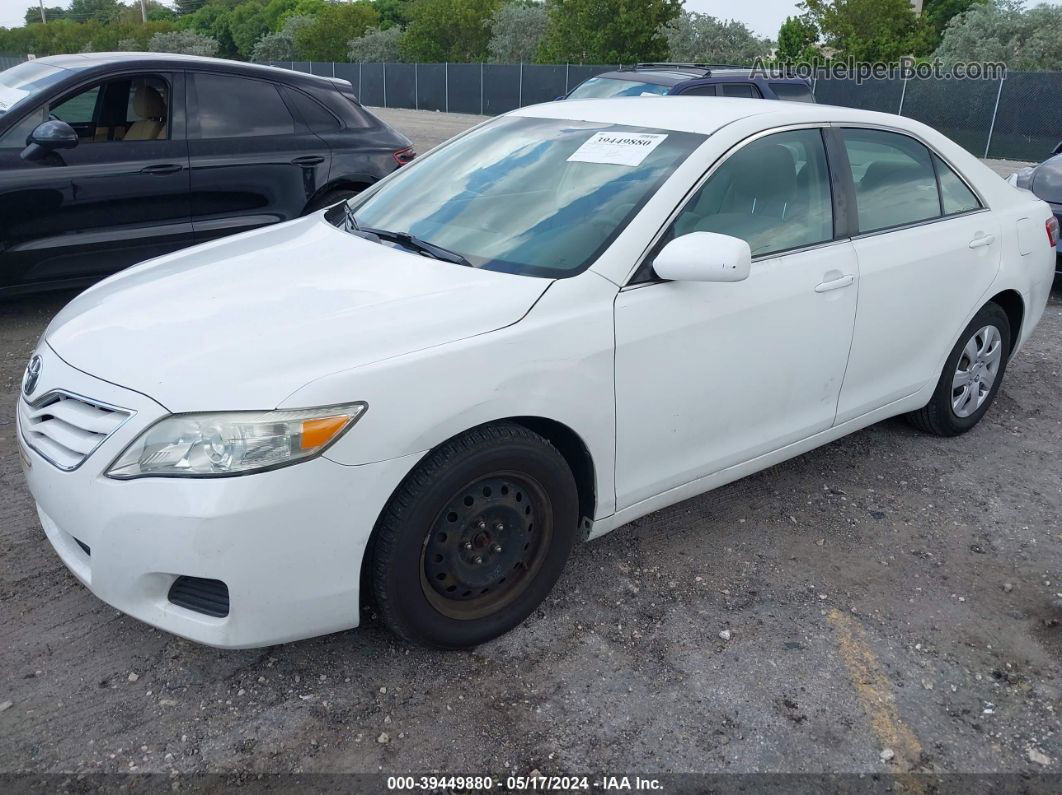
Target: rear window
603, 87
793, 92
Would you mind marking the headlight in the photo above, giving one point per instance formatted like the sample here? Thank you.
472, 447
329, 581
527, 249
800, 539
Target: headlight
233, 443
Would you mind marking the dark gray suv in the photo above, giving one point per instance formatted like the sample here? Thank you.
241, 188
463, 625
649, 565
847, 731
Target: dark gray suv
692, 80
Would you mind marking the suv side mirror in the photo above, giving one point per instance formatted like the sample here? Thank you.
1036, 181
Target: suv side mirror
47, 137
704, 257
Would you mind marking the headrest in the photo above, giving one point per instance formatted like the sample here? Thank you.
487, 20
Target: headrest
148, 102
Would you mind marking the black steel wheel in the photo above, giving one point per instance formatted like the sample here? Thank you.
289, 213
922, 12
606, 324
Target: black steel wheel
474, 538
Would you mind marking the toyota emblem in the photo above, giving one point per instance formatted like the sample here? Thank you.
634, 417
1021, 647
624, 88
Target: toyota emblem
33, 374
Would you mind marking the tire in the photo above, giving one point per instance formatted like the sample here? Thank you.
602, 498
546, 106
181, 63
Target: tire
955, 409
329, 199
474, 538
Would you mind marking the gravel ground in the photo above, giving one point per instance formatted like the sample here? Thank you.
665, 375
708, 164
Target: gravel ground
887, 603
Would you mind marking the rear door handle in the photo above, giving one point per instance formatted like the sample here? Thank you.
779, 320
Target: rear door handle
835, 284
308, 160
982, 240
162, 168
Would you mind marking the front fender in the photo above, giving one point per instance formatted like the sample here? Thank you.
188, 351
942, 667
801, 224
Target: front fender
556, 363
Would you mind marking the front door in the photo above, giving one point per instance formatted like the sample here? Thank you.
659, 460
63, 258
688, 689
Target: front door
117, 198
712, 375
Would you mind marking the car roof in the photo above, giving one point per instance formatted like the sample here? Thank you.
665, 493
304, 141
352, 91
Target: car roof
704, 115
157, 60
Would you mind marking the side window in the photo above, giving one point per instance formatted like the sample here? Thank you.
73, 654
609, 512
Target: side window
745, 90
793, 92
313, 113
79, 109
894, 179
955, 196
238, 107
146, 110
701, 91
774, 193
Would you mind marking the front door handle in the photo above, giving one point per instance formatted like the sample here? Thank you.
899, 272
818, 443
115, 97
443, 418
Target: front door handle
162, 168
835, 284
982, 240
308, 160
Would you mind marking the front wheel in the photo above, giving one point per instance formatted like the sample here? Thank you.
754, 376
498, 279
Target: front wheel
474, 538
971, 378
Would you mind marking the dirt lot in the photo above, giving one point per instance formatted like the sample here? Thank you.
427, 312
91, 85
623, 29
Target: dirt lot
887, 603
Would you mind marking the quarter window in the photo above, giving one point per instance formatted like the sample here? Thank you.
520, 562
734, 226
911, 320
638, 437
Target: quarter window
773, 193
237, 107
894, 179
955, 196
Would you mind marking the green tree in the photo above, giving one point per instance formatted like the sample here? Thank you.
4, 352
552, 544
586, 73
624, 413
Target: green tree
327, 38
214, 21
798, 41
247, 24
51, 14
393, 13
1004, 31
870, 30
700, 38
448, 30
97, 10
938, 13
186, 42
607, 31
377, 46
280, 46
517, 30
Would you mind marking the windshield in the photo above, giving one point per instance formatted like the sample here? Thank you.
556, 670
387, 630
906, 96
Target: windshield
26, 79
602, 87
539, 197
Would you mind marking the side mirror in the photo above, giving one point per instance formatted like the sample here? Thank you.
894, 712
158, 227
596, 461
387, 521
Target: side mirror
47, 137
704, 257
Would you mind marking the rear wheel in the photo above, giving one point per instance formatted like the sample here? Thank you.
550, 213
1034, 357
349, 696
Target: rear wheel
971, 378
474, 538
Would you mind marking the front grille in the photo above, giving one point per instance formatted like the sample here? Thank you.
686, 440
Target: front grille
66, 429
210, 597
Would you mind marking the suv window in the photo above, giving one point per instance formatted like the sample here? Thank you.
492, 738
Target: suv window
894, 178
792, 92
122, 109
313, 114
774, 193
745, 90
240, 107
955, 196
701, 91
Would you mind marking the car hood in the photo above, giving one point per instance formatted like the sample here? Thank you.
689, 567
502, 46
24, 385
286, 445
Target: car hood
243, 322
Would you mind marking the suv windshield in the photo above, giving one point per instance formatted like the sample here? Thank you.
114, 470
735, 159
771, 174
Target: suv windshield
539, 197
603, 87
26, 79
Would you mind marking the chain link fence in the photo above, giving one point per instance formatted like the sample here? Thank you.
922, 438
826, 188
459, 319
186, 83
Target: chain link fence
1019, 118
7, 61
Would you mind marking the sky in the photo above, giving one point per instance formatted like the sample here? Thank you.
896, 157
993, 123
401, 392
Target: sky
763, 16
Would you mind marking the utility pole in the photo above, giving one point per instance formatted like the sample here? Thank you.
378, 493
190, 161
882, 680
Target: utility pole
44, 19
143, 9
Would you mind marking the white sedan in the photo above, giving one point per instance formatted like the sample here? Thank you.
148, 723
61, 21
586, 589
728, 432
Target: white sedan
566, 318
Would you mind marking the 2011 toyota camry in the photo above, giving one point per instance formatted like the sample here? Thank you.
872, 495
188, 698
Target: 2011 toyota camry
562, 320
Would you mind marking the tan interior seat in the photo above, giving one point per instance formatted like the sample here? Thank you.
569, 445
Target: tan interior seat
151, 108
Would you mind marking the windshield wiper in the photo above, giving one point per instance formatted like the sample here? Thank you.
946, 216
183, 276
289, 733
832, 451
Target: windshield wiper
418, 245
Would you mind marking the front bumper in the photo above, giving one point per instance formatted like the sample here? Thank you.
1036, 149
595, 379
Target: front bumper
288, 543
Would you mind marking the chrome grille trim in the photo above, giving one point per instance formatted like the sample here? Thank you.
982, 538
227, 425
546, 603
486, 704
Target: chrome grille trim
65, 428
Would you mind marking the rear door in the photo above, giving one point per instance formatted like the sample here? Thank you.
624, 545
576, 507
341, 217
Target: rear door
253, 161
119, 197
928, 252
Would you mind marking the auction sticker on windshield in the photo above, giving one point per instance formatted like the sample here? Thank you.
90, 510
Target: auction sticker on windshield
617, 149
